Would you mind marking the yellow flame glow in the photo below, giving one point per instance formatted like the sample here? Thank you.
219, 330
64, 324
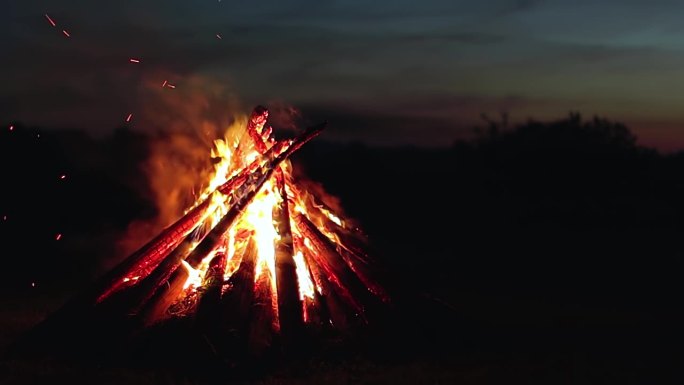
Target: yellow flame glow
231, 262
194, 276
259, 216
231, 154
306, 286
333, 218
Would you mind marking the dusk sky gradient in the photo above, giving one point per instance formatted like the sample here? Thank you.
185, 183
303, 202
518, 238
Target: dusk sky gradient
399, 72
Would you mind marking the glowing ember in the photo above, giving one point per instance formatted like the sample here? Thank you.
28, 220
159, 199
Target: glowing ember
11, 128
49, 19
63, 176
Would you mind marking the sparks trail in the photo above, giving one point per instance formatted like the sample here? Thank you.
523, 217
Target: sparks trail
52, 23
49, 19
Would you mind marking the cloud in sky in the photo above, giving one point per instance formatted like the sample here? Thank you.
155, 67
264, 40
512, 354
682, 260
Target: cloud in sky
620, 59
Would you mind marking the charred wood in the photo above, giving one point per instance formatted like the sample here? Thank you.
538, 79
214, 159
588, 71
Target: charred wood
347, 284
208, 317
290, 309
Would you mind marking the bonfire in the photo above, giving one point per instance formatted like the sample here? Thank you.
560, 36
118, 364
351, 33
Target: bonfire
258, 260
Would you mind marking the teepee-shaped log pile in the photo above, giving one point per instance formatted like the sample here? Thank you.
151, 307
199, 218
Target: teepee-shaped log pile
258, 257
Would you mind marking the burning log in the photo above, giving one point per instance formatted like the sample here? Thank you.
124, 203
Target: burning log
355, 259
244, 195
155, 310
255, 127
348, 286
353, 256
364, 273
314, 307
242, 176
149, 256
290, 309
143, 292
338, 231
237, 300
189, 250
331, 310
208, 317
349, 243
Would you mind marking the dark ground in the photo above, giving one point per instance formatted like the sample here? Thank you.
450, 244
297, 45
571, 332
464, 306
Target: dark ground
541, 255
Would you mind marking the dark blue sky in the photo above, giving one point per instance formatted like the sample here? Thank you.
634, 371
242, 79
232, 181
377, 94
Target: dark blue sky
390, 72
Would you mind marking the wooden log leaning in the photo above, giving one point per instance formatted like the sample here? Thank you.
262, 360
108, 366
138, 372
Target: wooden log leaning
156, 309
347, 284
335, 313
290, 311
316, 311
150, 255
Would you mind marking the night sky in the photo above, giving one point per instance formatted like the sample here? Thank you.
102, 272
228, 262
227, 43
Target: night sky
400, 72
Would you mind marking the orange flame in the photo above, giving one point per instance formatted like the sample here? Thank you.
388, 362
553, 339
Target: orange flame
230, 155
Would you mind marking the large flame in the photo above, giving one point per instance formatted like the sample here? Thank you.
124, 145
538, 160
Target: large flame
232, 154
285, 228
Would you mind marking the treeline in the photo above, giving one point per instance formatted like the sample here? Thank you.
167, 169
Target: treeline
543, 204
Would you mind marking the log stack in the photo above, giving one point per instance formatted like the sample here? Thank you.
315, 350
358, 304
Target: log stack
239, 292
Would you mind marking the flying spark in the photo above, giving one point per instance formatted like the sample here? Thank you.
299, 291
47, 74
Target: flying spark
171, 86
58, 237
66, 33
164, 84
33, 284
52, 22
132, 60
219, 36
128, 118
11, 128
63, 176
